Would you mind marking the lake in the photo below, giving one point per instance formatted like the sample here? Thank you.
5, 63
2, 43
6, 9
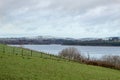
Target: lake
93, 51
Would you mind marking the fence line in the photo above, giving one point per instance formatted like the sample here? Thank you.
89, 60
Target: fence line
30, 53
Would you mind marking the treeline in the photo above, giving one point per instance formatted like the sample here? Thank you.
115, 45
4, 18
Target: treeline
60, 41
30, 41
92, 43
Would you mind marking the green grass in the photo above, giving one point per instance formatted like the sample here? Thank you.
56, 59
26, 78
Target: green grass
14, 66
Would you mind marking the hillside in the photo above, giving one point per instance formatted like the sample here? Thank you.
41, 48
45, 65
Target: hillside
23, 64
110, 41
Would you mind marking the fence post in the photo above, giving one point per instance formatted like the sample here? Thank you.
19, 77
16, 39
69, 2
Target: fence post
31, 52
13, 50
22, 52
50, 56
88, 57
3, 49
16, 53
41, 55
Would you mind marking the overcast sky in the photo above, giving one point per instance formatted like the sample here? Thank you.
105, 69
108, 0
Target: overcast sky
61, 18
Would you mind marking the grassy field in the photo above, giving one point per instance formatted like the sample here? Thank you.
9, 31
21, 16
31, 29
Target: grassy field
20, 64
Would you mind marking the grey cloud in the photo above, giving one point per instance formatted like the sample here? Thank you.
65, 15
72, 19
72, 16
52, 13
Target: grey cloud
65, 5
61, 16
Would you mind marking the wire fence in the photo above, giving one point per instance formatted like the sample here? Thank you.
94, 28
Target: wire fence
23, 52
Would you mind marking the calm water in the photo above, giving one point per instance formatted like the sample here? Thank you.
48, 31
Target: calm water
93, 51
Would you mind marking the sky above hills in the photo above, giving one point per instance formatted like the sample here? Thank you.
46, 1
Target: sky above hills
61, 18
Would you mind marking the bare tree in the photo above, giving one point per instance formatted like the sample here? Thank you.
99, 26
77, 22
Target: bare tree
71, 53
115, 60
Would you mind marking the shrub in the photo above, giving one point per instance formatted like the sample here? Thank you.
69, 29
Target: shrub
106, 61
113, 60
71, 53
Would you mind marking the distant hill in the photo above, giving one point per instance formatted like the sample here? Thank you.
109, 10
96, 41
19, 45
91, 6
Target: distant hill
109, 41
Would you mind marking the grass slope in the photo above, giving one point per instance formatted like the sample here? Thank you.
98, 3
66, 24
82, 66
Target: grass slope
14, 66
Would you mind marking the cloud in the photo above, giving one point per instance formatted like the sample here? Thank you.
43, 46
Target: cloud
68, 18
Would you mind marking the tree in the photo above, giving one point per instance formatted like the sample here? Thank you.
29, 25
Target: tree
71, 53
115, 60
